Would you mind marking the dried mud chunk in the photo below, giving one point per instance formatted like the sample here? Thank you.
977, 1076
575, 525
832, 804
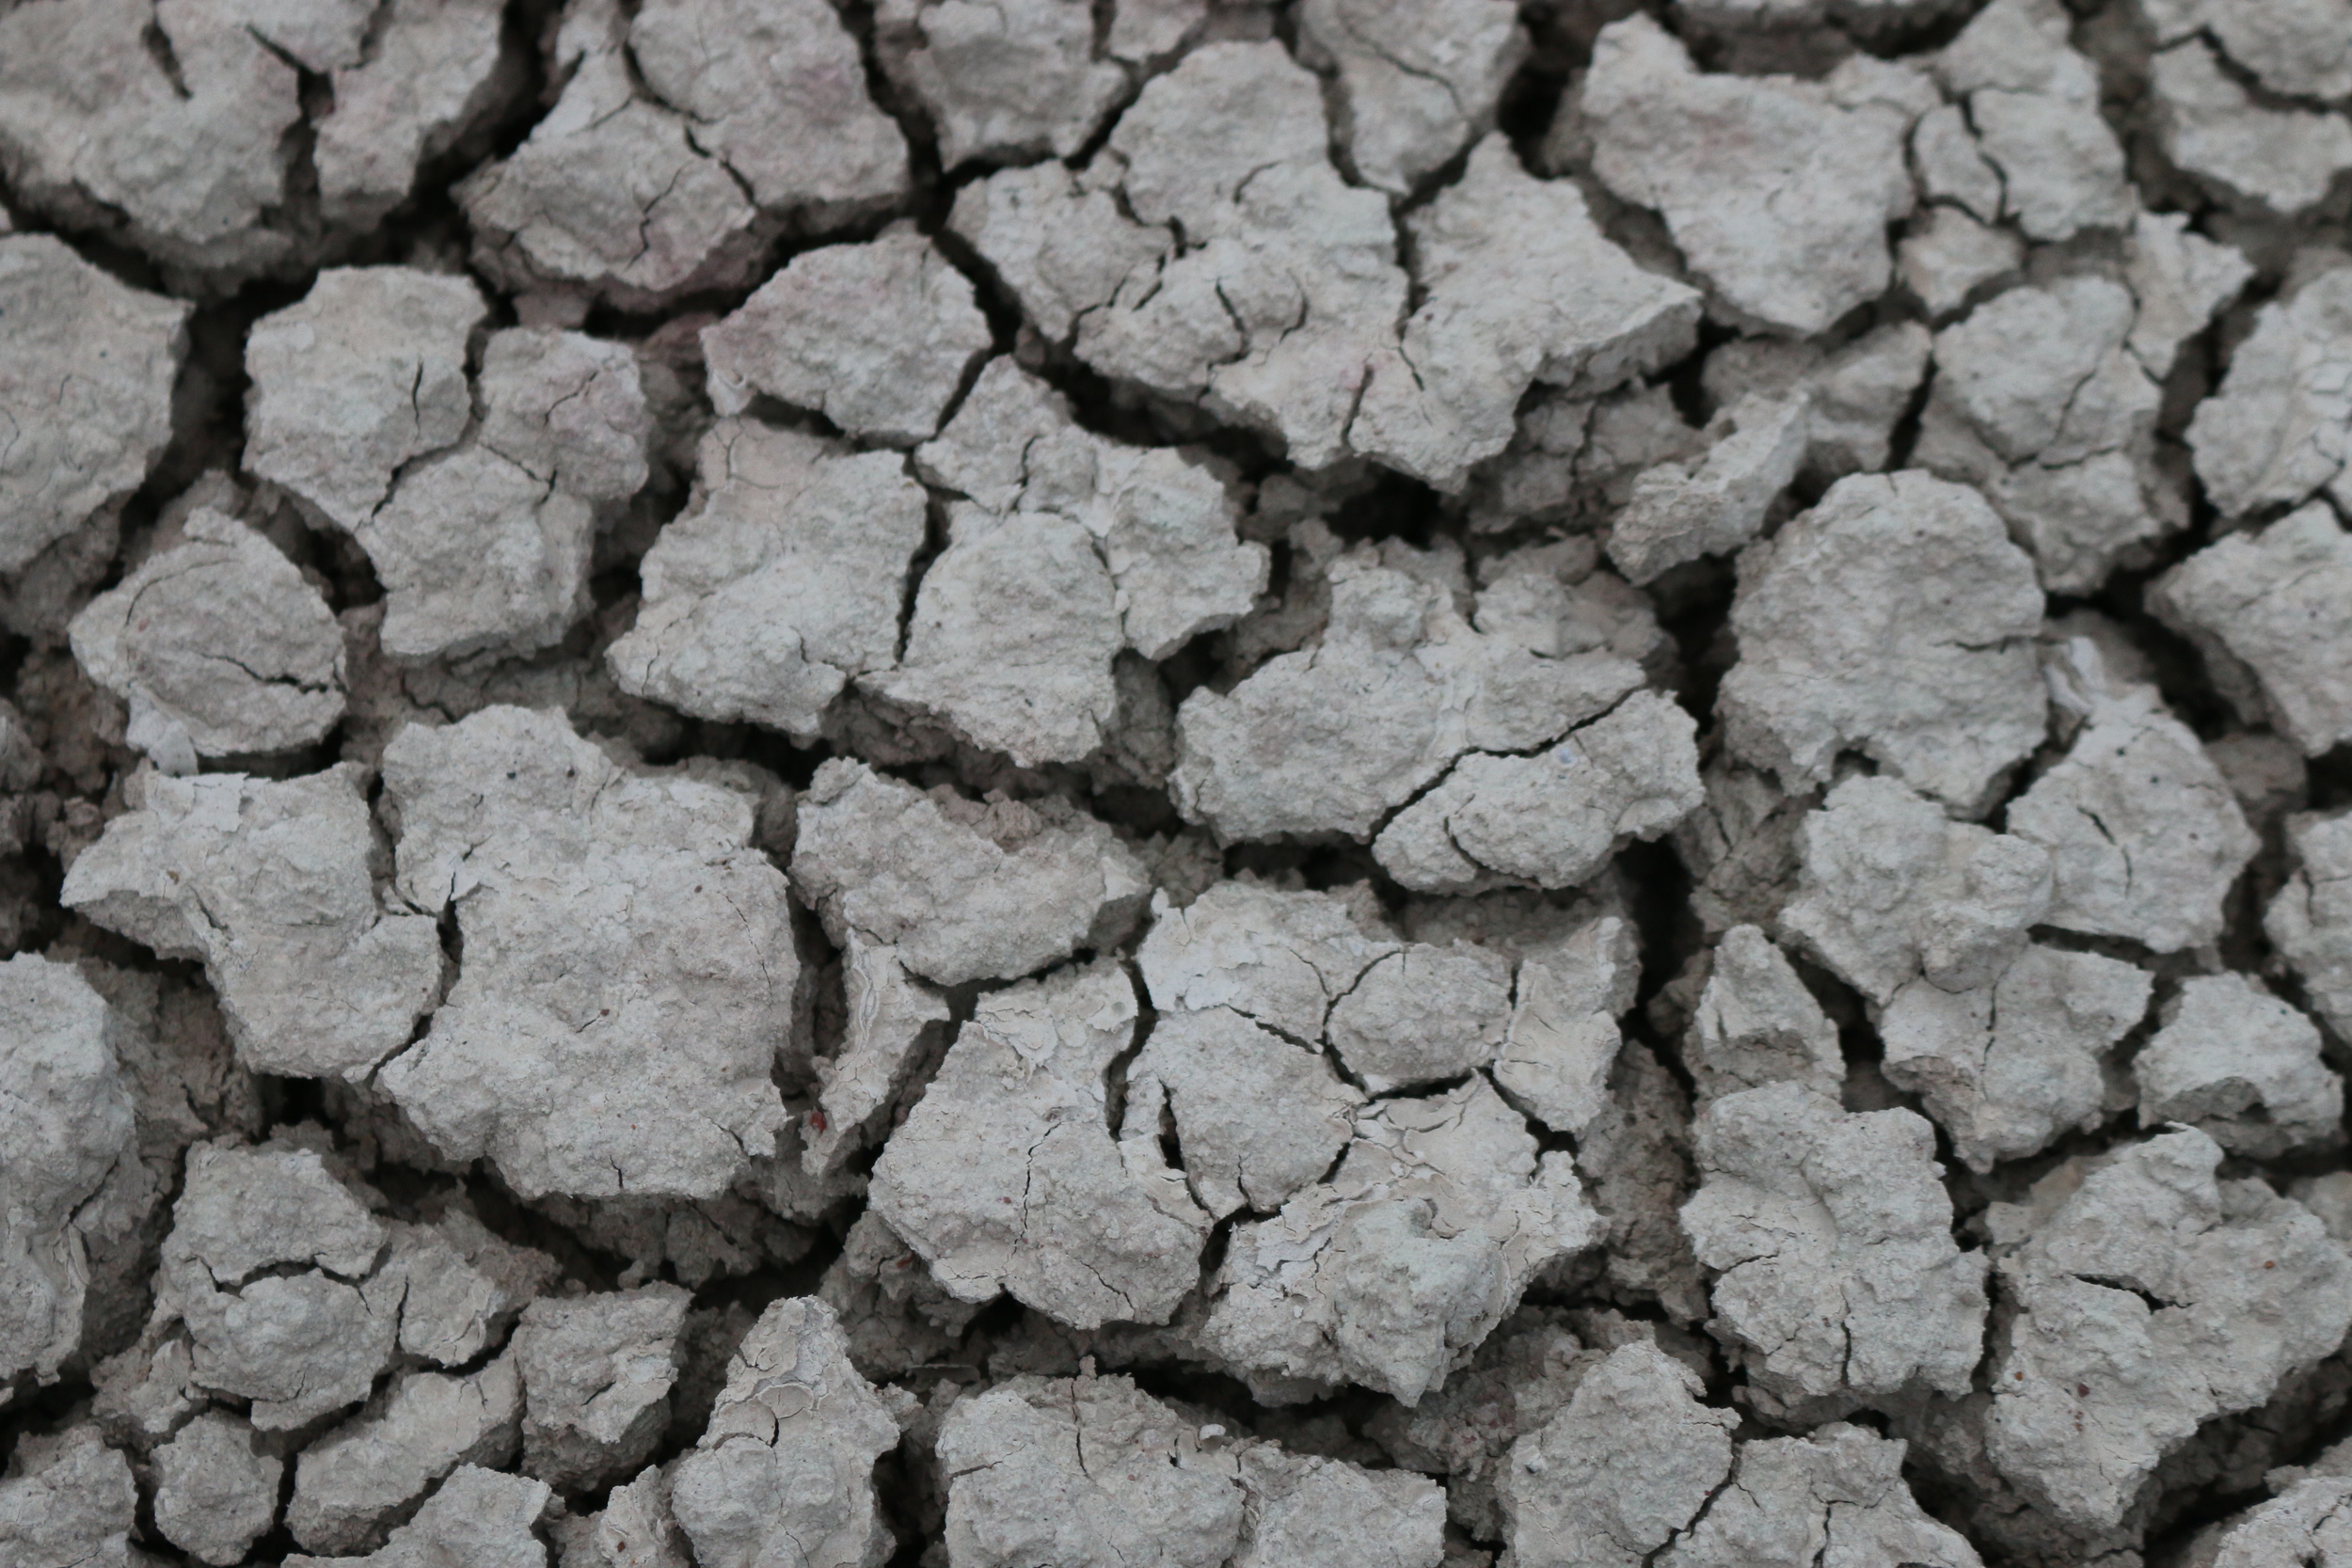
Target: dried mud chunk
215, 1492
1415, 84
177, 145
1305, 1508
1240, 271
86, 371
1893, 889
784, 1472
1004, 1175
1950, 255
1894, 619
1551, 600
610, 197
777, 92
892, 1021
476, 553
268, 1263
1757, 1024
2265, 611
434, 72
2310, 1522
596, 1371
2241, 1065
1163, 519
357, 1477
1714, 503
1062, 249
268, 883
1422, 1014
1012, 637
592, 176
243, 1211
1211, 254
1286, 289
1829, 1234
878, 338
1002, 81
365, 374
1524, 1374
1951, 166
1091, 1473
2019, 368
1519, 285
1391, 1273
2147, 1298
575, 1081
2038, 402
1778, 192
2294, 48
1553, 819
1257, 1117
964, 891
2179, 279
463, 1286
634, 1530
2034, 104
2145, 838
2280, 160
482, 547
2006, 1067
66, 1122
568, 409
1303, 746
2275, 433
218, 646
2310, 920
1563, 1040
1621, 1471
1854, 396
479, 1517
782, 579
1279, 958
1022, 1462
1837, 1495
69, 1502
1741, 847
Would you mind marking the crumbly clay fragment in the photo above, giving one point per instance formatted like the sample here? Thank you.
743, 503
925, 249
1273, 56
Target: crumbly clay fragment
878, 338
268, 883
572, 1080
86, 371
2310, 919
781, 583
2148, 1297
1289, 750
2260, 608
1552, 820
785, 1466
1829, 1235
2241, 1065
1777, 191
1093, 1473
66, 1121
964, 891
1005, 1177
219, 645
1894, 619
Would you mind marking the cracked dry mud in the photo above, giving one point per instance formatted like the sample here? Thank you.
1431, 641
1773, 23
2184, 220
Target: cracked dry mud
1175, 783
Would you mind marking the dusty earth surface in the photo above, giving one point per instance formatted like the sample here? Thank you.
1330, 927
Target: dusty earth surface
1177, 784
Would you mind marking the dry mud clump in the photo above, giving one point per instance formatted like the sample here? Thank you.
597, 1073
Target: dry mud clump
1175, 783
